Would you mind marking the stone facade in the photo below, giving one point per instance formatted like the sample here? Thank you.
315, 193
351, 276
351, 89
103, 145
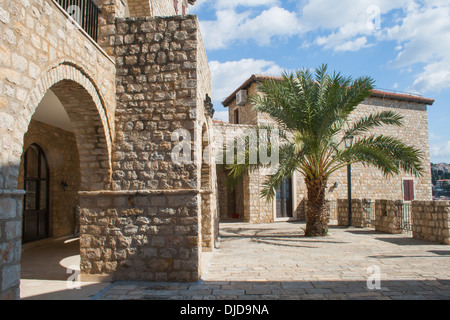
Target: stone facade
143, 216
11, 204
40, 49
141, 235
160, 89
363, 213
367, 182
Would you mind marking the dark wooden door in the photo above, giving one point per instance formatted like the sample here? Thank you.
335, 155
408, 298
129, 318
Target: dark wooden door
284, 199
36, 199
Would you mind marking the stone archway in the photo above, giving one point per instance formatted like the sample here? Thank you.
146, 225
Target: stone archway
85, 108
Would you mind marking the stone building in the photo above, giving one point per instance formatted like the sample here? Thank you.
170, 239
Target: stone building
94, 97
106, 115
367, 182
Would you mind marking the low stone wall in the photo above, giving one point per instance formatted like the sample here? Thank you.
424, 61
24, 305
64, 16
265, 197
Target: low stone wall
386, 216
142, 235
362, 214
431, 220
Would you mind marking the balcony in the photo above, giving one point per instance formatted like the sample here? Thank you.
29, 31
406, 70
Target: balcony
83, 12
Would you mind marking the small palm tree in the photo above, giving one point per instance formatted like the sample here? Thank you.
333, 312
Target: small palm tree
313, 116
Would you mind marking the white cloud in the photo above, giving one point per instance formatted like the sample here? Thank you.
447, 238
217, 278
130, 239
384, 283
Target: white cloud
433, 136
231, 26
228, 76
419, 29
440, 152
423, 37
220, 4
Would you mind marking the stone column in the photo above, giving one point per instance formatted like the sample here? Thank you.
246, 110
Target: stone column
10, 242
148, 227
386, 217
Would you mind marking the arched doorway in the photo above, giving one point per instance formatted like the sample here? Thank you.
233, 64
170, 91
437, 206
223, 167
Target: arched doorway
284, 197
36, 200
68, 134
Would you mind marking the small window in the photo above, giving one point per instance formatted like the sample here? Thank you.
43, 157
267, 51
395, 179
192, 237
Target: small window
408, 190
175, 5
236, 116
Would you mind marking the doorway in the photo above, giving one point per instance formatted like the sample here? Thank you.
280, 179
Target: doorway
284, 200
36, 200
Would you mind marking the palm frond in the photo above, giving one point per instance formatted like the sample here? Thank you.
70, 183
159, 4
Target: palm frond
388, 154
371, 121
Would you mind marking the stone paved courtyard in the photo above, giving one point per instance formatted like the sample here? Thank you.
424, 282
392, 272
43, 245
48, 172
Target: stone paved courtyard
274, 261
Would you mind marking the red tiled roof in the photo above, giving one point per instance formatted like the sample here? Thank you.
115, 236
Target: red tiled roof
219, 121
375, 93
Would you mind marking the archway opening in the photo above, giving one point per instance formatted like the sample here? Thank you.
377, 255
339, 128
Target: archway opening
50, 175
67, 131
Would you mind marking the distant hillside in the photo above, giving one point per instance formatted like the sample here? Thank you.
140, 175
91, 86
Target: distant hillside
440, 171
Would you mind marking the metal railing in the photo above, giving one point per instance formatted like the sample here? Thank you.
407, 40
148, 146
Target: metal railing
85, 13
404, 217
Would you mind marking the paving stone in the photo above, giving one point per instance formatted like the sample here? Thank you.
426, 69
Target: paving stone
244, 268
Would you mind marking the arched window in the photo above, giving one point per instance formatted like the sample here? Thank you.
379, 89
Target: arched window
36, 200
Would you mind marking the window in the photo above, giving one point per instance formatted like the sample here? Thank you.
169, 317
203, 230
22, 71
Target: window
408, 190
175, 5
236, 116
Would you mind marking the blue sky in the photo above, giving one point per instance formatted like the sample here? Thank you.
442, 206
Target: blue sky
403, 45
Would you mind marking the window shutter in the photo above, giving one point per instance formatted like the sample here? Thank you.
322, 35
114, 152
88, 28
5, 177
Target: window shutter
408, 190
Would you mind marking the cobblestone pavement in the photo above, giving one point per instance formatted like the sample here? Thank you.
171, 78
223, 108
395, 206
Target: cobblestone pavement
274, 261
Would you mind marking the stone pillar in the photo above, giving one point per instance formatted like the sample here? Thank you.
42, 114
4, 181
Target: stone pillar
148, 227
386, 216
10, 242
361, 213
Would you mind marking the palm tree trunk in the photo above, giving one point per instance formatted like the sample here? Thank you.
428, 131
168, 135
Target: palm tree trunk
317, 222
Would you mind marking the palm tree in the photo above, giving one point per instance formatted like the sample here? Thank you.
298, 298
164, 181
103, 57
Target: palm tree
313, 116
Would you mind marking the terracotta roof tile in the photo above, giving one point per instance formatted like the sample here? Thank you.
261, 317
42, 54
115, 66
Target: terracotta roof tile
375, 93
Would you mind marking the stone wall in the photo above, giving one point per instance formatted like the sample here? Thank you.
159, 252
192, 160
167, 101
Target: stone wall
431, 221
11, 204
363, 212
247, 115
154, 215
387, 216
368, 182
40, 49
141, 235
61, 151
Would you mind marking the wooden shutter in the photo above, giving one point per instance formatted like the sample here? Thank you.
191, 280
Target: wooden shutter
408, 190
